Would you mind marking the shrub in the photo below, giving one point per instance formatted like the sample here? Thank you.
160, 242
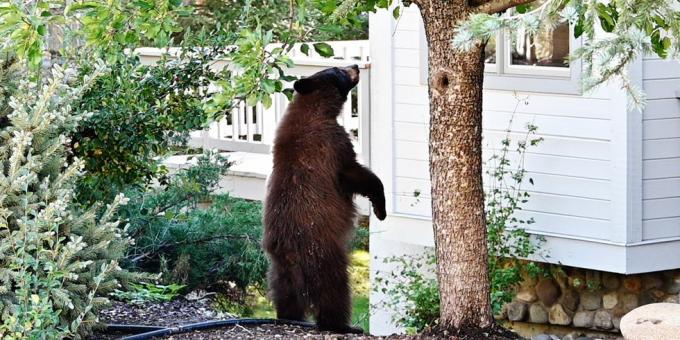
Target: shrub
412, 288
192, 246
141, 112
55, 260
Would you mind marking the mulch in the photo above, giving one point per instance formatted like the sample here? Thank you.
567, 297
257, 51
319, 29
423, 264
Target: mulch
182, 311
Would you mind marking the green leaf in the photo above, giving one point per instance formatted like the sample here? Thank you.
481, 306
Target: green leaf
304, 48
268, 86
395, 12
521, 9
323, 49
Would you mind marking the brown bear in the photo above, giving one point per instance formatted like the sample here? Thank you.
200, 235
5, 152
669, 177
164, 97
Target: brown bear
309, 215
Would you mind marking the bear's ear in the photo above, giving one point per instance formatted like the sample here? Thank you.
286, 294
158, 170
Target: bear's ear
304, 86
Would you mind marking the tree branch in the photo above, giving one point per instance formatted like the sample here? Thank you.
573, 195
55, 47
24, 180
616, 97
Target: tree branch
497, 6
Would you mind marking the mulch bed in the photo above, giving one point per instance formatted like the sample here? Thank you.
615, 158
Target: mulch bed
182, 311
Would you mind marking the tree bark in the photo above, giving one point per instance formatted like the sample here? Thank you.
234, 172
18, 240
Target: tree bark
455, 90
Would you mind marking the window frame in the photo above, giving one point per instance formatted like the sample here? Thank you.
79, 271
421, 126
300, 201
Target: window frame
506, 77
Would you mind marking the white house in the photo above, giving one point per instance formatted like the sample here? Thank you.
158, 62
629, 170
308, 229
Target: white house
607, 179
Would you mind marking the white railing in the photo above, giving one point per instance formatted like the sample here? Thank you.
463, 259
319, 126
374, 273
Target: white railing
252, 129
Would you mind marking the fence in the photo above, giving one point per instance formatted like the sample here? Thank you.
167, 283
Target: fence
252, 128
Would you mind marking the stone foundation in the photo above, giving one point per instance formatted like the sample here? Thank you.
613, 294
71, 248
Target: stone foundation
589, 299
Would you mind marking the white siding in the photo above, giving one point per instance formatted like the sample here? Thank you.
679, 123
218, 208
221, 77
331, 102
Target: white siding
571, 168
661, 150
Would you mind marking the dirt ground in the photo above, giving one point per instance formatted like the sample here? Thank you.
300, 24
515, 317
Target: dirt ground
182, 312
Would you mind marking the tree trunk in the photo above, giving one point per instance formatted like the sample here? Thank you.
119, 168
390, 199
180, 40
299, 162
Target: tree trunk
455, 90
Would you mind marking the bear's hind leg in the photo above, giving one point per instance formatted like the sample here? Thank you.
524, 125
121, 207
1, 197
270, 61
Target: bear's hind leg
334, 302
285, 289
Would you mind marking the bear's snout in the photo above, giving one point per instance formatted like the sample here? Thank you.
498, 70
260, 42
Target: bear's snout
353, 72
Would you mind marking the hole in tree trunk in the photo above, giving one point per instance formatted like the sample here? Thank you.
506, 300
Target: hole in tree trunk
442, 81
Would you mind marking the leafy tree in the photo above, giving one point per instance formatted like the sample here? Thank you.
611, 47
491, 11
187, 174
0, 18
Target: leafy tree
234, 14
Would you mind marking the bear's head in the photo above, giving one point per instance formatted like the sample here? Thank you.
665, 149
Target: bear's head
339, 79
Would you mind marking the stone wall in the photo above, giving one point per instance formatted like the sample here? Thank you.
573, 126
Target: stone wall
588, 299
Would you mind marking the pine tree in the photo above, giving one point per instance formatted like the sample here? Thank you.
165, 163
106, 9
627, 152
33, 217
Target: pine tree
55, 262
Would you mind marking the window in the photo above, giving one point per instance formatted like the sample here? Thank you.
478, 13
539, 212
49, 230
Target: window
516, 61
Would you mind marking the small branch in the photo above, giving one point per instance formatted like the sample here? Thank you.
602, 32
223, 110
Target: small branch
497, 6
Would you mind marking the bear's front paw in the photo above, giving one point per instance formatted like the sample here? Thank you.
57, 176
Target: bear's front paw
380, 212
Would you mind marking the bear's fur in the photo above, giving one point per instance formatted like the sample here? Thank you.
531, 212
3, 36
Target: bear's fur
308, 211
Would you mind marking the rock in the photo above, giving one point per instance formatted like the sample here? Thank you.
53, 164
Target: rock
569, 300
651, 296
650, 281
583, 319
558, 316
590, 300
541, 337
538, 314
593, 279
653, 321
527, 295
616, 322
502, 314
571, 336
516, 311
632, 284
547, 291
577, 280
602, 320
610, 281
672, 285
630, 302
671, 299
610, 300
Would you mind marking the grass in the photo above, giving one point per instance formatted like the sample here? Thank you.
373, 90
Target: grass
262, 307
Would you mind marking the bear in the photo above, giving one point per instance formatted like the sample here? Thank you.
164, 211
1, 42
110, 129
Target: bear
309, 214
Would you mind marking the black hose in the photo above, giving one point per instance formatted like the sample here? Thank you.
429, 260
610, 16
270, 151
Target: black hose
132, 328
213, 324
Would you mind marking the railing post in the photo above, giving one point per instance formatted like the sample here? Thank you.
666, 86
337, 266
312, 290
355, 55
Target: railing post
363, 110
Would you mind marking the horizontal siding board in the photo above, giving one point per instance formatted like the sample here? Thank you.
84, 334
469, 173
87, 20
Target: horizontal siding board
566, 225
661, 128
405, 39
409, 21
551, 222
660, 168
411, 150
660, 228
660, 208
543, 164
661, 89
661, 188
549, 125
406, 75
411, 132
553, 145
411, 95
549, 105
412, 147
661, 148
411, 113
414, 206
406, 57
543, 183
661, 69
662, 108
412, 169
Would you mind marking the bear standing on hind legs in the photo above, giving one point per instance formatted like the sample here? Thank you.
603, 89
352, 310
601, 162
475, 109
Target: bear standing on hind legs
308, 211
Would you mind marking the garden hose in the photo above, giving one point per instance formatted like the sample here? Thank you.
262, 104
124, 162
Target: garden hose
155, 331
